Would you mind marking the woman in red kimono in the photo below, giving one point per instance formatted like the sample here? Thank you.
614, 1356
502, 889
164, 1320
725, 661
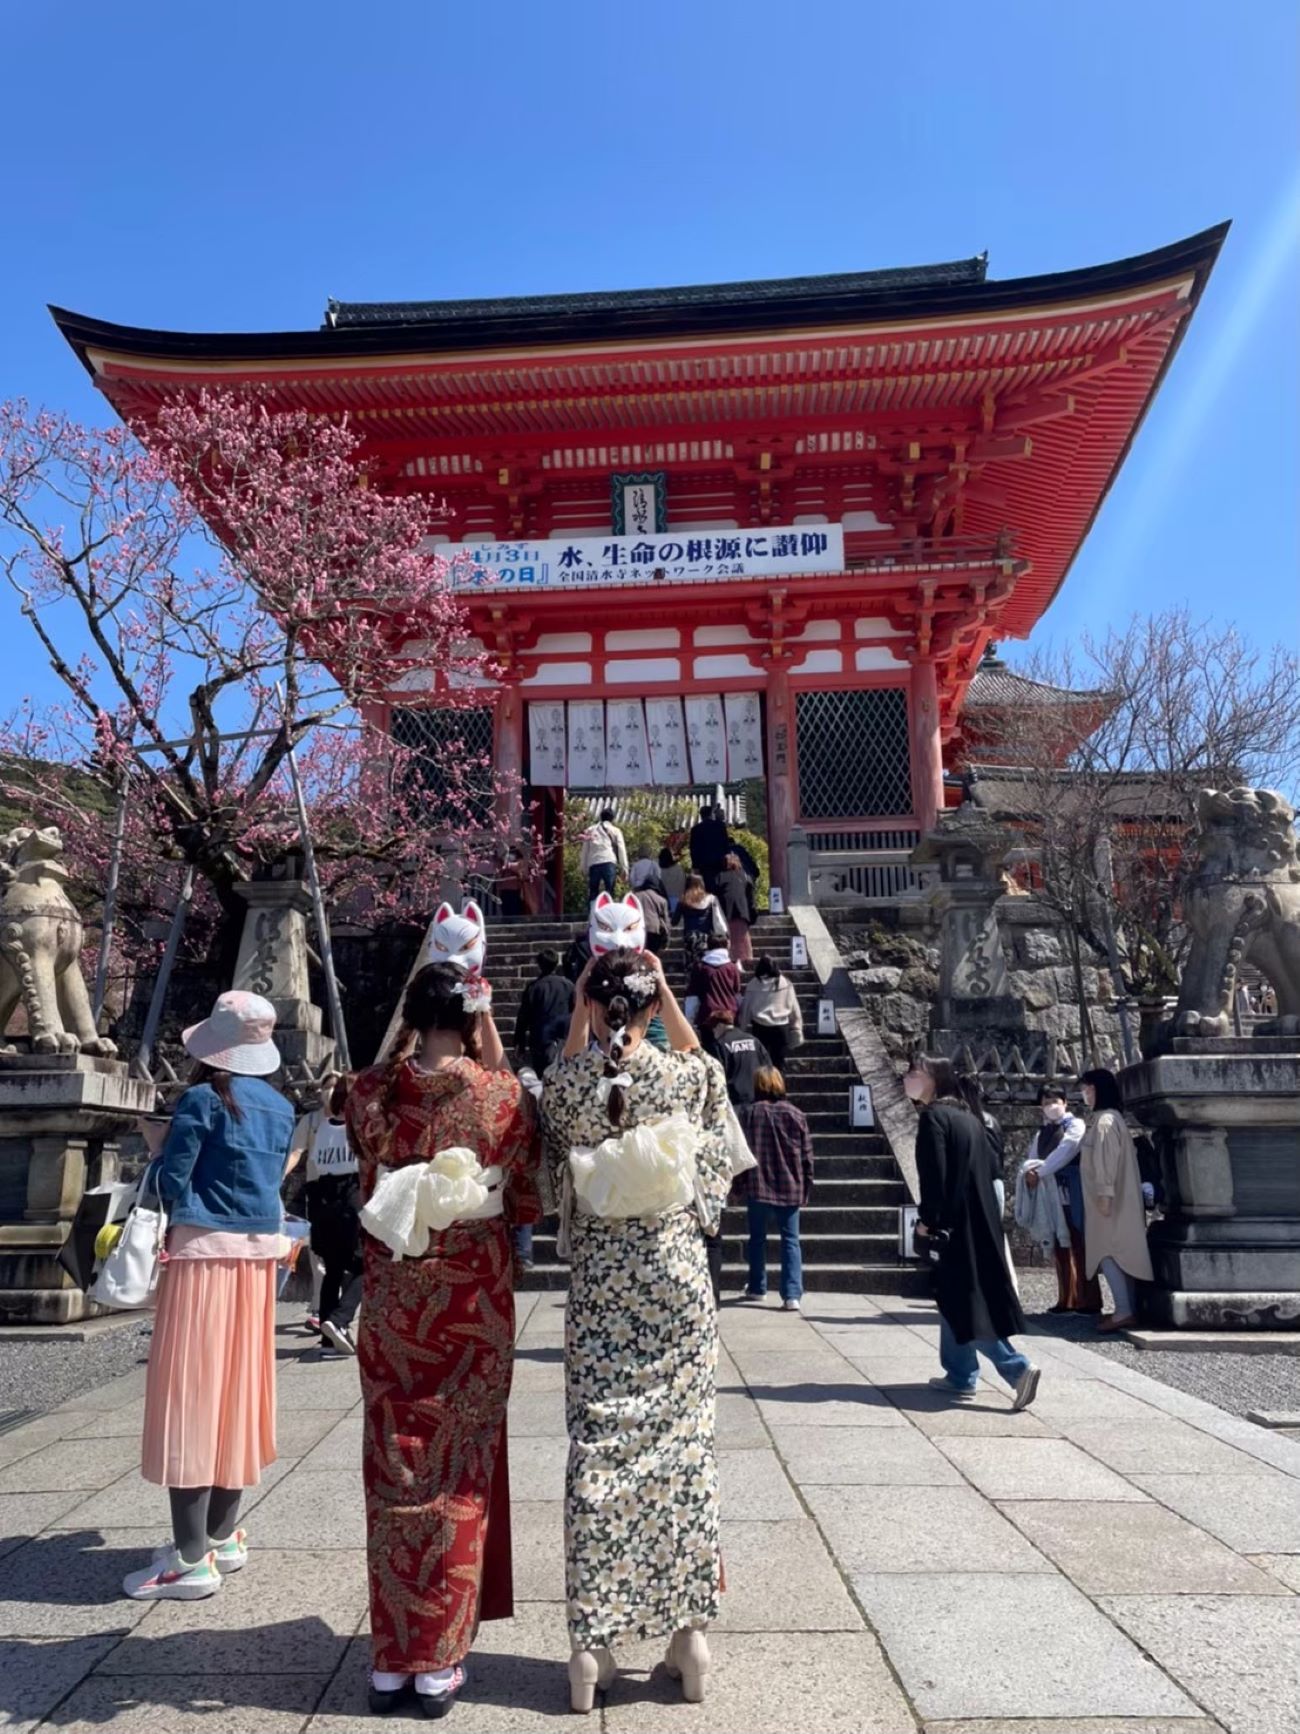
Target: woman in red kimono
448, 1156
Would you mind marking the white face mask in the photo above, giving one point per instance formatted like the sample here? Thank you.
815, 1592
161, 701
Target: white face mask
1054, 1112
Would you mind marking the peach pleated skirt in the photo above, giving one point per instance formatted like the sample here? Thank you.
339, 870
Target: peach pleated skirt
209, 1407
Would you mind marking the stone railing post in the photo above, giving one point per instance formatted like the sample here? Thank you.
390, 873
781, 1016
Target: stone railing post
797, 861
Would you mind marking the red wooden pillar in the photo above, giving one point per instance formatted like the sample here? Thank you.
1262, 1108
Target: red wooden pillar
508, 753
927, 749
781, 813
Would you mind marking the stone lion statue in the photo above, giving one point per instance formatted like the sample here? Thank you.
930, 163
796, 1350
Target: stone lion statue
1243, 905
40, 947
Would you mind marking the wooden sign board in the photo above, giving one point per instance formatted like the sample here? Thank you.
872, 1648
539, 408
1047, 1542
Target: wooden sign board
798, 952
775, 900
825, 1017
861, 1112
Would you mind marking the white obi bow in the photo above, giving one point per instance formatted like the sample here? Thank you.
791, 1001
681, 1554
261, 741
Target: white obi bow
423, 1198
645, 1171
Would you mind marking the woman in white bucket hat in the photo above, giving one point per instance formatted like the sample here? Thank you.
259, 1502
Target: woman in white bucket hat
209, 1419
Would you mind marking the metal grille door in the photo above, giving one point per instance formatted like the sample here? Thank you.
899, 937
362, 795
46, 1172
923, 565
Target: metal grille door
441, 738
853, 754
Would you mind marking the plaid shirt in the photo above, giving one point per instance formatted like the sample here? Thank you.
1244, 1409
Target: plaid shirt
782, 1144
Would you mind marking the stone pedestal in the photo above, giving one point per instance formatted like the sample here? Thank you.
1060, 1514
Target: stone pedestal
60, 1119
969, 852
272, 961
1225, 1114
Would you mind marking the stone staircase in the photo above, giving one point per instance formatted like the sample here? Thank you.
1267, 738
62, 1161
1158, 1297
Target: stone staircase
849, 1232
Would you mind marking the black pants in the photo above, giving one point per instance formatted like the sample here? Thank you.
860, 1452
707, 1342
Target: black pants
336, 1241
776, 1039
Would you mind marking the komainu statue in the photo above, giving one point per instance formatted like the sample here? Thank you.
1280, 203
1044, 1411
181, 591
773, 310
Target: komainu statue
40, 947
1243, 906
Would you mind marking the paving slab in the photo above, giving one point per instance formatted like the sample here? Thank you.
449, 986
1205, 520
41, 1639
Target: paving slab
338, 1449
36, 1672
1284, 1566
297, 1432
1035, 1469
1253, 1513
1240, 1655
862, 1457
519, 1683
986, 1418
23, 1515
739, 1422
184, 1704
919, 1529
755, 1488
797, 1371
1157, 1447
68, 1583
1091, 1399
21, 1441
962, 1648
230, 1634
132, 1502
71, 1463
535, 1414
537, 1542
537, 1464
827, 1680
806, 1594
1081, 1725
311, 1512
1216, 1342
1135, 1550
842, 1403
318, 1385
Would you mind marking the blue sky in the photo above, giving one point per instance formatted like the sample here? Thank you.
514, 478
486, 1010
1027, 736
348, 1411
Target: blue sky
229, 167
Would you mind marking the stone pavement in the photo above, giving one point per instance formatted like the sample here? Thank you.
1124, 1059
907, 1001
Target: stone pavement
1124, 1559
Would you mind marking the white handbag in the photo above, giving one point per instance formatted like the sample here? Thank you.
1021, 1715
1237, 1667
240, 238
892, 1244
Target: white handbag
128, 1277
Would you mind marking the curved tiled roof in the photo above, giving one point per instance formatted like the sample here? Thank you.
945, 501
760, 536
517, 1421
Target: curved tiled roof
346, 315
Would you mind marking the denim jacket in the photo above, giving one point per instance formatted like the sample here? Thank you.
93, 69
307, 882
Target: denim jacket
218, 1172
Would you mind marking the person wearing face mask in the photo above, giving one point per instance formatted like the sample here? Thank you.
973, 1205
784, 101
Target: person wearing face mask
1054, 1156
1115, 1224
959, 1230
638, 1155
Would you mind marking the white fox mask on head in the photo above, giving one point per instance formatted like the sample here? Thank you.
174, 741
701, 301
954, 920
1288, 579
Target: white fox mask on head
459, 940
616, 926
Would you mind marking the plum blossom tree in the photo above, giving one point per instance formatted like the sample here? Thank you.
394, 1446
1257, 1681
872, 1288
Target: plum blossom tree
212, 591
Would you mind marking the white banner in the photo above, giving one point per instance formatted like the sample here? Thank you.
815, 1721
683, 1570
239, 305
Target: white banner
667, 730
744, 736
546, 731
706, 736
627, 757
586, 744
673, 557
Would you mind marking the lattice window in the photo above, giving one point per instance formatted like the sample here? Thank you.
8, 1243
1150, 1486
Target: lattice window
439, 736
853, 754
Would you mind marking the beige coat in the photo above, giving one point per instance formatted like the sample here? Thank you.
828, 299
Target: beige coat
1108, 1166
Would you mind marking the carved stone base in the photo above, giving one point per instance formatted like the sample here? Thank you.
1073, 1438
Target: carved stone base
1213, 1310
1225, 1115
60, 1119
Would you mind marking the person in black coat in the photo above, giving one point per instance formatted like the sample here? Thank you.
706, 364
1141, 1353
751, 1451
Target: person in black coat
545, 1012
708, 844
958, 1229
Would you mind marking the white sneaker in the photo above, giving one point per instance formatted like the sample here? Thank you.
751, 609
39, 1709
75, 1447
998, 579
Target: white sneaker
169, 1579
1026, 1389
338, 1336
231, 1555
790, 1306
958, 1395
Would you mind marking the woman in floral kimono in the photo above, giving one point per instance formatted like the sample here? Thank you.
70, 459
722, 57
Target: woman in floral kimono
448, 1157
636, 1151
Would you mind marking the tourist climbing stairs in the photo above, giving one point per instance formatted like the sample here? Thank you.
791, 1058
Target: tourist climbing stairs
849, 1231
